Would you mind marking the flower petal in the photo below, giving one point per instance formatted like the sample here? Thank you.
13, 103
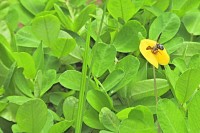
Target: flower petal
162, 57
148, 55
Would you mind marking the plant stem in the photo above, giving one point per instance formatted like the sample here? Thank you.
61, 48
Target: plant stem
101, 23
156, 94
84, 82
84, 85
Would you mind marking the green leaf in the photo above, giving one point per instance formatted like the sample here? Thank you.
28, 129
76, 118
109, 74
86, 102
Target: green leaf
4, 71
123, 114
109, 119
5, 31
25, 38
16, 129
46, 28
49, 122
173, 45
51, 62
129, 72
65, 19
19, 100
190, 20
49, 78
7, 57
127, 40
193, 114
187, 84
23, 84
181, 7
113, 79
73, 57
60, 127
98, 100
58, 97
71, 79
103, 57
145, 88
50, 4
70, 108
187, 49
149, 102
180, 64
38, 57
140, 120
124, 9
38, 84
156, 11
25, 60
34, 6
9, 113
3, 105
63, 47
170, 118
32, 115
195, 61
104, 131
4, 7
77, 3
83, 17
91, 119
172, 77
163, 5
167, 24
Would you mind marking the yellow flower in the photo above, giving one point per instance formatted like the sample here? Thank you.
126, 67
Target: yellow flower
153, 56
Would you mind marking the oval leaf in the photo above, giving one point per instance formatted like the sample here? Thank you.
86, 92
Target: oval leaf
167, 24
129, 72
124, 9
98, 100
91, 119
145, 88
71, 79
60, 127
127, 39
46, 28
27, 62
70, 108
187, 84
63, 47
34, 6
193, 114
113, 79
109, 119
31, 116
191, 22
83, 17
140, 120
103, 57
170, 118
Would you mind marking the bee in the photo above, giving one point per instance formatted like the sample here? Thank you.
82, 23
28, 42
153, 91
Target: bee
157, 47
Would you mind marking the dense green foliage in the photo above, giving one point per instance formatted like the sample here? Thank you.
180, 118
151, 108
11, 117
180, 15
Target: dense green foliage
75, 65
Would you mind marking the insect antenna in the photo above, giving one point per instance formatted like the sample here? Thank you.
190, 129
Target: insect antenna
159, 36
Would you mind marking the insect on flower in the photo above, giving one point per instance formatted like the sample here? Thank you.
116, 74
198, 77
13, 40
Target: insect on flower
155, 48
154, 52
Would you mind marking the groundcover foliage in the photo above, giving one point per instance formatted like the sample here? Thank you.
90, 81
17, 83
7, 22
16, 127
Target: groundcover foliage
75, 66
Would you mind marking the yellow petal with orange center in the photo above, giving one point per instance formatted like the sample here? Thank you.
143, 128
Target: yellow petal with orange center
161, 57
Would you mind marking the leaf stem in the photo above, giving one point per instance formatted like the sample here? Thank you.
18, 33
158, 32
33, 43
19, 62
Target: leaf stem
84, 85
156, 94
